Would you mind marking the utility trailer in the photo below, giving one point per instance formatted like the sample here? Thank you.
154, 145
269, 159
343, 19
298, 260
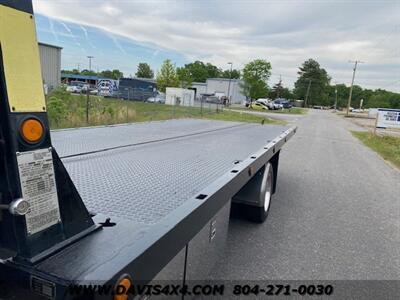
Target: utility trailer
115, 205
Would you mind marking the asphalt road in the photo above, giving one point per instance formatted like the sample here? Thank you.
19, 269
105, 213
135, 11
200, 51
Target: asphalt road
277, 116
335, 216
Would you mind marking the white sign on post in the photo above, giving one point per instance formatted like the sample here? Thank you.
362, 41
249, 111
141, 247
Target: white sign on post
388, 118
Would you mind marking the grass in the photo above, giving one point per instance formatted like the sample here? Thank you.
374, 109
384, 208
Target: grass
386, 146
354, 115
69, 111
292, 111
228, 115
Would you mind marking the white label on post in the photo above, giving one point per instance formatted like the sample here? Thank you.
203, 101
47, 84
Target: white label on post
388, 118
38, 184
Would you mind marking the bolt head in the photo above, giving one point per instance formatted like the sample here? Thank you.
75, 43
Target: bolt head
19, 207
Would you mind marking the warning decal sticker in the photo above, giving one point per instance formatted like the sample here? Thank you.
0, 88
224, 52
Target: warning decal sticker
39, 189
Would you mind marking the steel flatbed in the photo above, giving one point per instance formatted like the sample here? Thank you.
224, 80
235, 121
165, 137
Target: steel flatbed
115, 205
159, 184
143, 172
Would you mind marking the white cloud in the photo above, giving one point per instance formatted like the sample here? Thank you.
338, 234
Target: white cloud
285, 32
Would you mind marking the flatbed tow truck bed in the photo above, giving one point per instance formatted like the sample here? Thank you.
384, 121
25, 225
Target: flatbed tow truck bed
153, 168
159, 184
130, 204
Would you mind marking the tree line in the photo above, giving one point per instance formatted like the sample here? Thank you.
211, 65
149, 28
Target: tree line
313, 83
112, 74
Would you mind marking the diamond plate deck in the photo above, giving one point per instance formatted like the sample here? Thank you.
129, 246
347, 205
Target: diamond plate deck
146, 181
90, 139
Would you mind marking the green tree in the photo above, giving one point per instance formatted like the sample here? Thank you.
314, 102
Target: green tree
342, 94
88, 72
144, 71
212, 71
318, 93
200, 71
167, 77
255, 76
372, 98
184, 77
277, 90
114, 74
287, 93
73, 71
117, 74
106, 74
235, 74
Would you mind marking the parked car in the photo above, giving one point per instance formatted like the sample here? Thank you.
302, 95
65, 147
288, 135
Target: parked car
285, 103
274, 106
213, 99
264, 101
85, 88
258, 105
159, 98
74, 89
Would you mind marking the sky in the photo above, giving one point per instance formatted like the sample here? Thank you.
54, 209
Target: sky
121, 33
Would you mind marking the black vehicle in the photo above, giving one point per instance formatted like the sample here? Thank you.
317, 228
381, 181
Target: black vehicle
213, 99
285, 103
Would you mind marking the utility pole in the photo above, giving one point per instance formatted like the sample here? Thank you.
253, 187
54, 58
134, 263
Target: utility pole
90, 62
335, 95
308, 92
87, 91
229, 85
352, 82
280, 86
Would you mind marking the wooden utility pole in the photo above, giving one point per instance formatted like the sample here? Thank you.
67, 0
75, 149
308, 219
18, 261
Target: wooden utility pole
229, 85
308, 92
280, 87
351, 87
335, 96
90, 62
87, 92
87, 105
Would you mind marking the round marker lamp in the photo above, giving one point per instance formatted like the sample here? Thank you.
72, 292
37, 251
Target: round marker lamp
32, 130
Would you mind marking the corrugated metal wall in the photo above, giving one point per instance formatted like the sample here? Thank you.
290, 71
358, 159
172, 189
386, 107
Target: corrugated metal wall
220, 85
50, 58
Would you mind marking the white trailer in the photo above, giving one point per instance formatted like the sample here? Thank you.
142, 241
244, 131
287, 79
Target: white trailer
179, 96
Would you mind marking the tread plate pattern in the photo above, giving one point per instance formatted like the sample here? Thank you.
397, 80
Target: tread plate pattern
145, 182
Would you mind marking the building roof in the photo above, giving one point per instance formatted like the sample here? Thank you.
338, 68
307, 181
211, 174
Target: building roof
84, 77
141, 79
199, 83
224, 79
49, 45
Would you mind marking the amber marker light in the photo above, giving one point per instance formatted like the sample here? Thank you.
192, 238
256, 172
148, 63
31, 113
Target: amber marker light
122, 289
32, 130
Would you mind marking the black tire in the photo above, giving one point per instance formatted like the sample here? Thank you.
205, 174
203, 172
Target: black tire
257, 214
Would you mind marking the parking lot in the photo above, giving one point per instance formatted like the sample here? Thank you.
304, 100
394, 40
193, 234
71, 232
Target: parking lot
336, 214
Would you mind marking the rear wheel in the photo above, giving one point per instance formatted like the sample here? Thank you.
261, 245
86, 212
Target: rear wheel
258, 212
